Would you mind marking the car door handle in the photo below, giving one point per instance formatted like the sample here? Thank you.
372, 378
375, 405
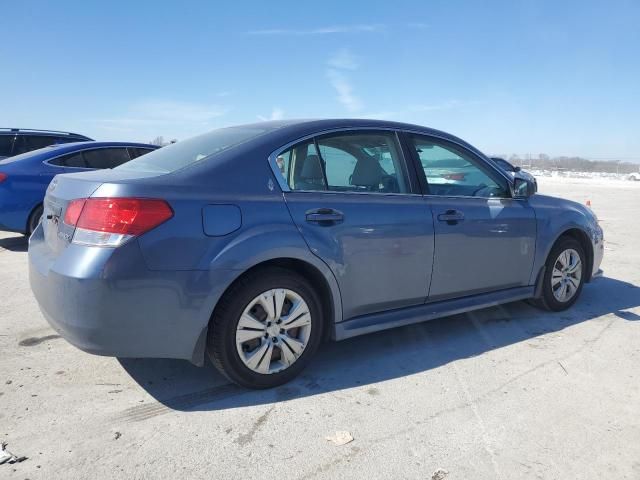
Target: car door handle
452, 217
324, 216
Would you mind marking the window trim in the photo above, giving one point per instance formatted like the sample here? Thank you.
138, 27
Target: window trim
411, 179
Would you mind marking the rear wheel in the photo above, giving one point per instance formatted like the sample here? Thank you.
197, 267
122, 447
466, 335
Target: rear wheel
265, 329
34, 219
564, 275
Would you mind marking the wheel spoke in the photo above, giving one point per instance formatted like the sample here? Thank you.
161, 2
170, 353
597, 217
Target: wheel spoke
250, 323
575, 267
300, 321
267, 301
243, 336
574, 282
296, 346
260, 360
279, 296
287, 356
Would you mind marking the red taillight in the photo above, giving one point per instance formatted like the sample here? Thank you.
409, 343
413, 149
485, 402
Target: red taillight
73, 211
3, 177
454, 176
112, 221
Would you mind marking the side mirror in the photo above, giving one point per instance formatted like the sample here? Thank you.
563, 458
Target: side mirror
516, 169
523, 188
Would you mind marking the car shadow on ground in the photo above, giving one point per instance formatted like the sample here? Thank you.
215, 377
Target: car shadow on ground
377, 357
14, 244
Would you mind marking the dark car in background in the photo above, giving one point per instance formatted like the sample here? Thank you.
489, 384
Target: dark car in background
254, 244
14, 141
24, 178
515, 171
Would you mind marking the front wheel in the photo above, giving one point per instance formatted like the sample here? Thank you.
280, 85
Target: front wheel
564, 275
265, 329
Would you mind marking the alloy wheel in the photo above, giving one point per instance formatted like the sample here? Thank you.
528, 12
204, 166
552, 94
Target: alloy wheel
273, 331
566, 275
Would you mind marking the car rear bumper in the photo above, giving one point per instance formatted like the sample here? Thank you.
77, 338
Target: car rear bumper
106, 302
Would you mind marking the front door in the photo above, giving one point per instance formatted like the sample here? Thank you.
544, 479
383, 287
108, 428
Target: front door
355, 205
484, 239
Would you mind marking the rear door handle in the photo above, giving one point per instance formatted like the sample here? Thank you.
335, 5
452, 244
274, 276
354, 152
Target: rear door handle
324, 216
451, 217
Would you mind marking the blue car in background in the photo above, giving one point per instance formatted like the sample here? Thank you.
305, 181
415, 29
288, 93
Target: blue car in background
24, 178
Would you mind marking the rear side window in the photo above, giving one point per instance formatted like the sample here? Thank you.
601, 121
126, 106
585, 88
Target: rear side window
181, 154
6, 145
105, 157
135, 152
365, 162
72, 160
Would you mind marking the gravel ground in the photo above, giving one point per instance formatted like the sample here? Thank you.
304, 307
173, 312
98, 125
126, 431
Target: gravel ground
507, 392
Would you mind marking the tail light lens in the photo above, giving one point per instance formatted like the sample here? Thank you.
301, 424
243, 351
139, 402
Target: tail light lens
110, 222
3, 177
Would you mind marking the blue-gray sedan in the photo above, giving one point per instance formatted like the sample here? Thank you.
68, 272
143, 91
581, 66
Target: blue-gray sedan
253, 244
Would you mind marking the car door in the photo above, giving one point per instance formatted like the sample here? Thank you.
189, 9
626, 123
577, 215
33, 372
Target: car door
484, 239
351, 197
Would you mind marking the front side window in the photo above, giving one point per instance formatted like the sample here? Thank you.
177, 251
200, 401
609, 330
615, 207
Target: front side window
365, 162
102, 158
135, 152
451, 171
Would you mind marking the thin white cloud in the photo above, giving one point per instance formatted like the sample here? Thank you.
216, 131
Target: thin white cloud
162, 117
343, 59
344, 89
276, 114
359, 28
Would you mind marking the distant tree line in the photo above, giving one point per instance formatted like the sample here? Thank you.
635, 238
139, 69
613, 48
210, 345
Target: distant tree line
573, 164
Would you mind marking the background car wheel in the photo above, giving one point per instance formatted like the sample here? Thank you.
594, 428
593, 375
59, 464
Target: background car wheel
564, 276
265, 329
34, 219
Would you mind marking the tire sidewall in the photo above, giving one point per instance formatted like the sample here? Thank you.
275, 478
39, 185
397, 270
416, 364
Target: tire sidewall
223, 338
549, 298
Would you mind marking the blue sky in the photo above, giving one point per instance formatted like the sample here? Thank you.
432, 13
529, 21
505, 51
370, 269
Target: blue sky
559, 77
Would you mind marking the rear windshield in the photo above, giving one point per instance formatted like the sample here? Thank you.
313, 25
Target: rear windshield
181, 154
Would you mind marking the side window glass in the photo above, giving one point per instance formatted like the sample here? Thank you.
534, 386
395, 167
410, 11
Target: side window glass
102, 158
302, 168
363, 162
135, 152
73, 160
27, 143
451, 171
6, 145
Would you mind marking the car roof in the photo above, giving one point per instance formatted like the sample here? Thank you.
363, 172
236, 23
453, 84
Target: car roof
281, 132
38, 132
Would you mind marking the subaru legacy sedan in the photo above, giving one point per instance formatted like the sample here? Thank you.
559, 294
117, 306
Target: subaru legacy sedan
24, 178
251, 245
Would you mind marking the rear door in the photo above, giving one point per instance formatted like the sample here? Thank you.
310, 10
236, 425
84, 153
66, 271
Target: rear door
484, 239
359, 210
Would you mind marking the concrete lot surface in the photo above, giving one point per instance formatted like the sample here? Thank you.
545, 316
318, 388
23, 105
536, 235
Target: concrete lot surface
508, 392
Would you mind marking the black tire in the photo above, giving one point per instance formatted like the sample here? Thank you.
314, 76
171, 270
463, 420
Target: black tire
34, 219
221, 339
548, 301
